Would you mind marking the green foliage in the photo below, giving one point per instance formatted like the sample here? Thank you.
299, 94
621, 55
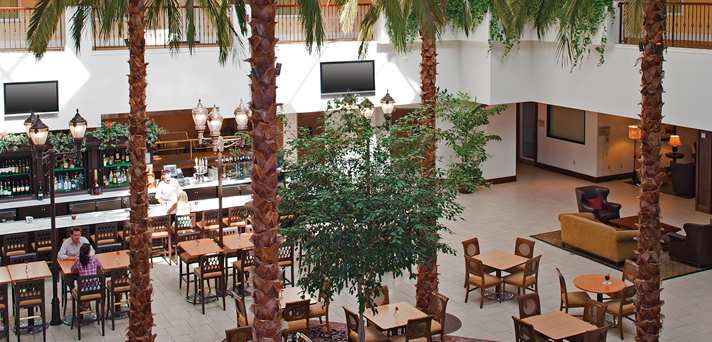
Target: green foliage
153, 132
63, 143
109, 135
13, 141
361, 207
466, 137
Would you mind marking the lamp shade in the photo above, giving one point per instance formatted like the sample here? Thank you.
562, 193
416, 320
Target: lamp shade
215, 122
675, 141
200, 116
77, 126
367, 108
633, 132
39, 132
29, 121
242, 116
388, 104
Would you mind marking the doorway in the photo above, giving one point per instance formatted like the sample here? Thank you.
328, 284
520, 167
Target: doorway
527, 132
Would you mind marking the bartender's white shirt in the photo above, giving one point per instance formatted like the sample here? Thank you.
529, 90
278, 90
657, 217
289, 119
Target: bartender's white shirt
168, 192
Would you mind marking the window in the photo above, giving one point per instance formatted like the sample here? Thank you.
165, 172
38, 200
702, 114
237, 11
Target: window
566, 124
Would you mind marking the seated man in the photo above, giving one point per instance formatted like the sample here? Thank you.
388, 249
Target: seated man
71, 247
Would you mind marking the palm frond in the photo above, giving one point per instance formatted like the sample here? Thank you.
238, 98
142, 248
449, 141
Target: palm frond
310, 14
166, 13
242, 19
347, 17
367, 27
111, 16
80, 18
396, 13
545, 15
43, 24
218, 13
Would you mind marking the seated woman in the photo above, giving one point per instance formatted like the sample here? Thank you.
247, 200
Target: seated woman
86, 264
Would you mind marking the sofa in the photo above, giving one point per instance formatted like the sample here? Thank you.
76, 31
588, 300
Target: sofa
695, 247
583, 232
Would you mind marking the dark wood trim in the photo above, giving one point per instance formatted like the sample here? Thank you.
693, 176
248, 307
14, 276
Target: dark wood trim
703, 201
519, 131
575, 174
501, 180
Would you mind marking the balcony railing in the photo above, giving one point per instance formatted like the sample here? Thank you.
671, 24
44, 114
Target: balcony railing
14, 22
158, 36
689, 25
289, 24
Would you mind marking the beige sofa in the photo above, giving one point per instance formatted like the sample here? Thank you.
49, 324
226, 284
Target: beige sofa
584, 232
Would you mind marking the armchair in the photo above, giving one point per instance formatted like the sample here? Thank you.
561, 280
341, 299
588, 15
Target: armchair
587, 200
694, 248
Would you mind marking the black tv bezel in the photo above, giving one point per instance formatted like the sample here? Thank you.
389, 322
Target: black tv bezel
373, 78
4, 98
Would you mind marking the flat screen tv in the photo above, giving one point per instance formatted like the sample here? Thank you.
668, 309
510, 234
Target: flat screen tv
31, 97
347, 77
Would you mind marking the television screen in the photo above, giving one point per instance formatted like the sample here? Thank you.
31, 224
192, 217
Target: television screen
566, 124
347, 77
29, 97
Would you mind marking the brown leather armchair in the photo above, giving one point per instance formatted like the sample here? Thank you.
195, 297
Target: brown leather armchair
694, 248
608, 211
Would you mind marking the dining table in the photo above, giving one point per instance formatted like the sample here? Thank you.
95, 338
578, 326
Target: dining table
238, 242
559, 325
393, 316
500, 261
597, 283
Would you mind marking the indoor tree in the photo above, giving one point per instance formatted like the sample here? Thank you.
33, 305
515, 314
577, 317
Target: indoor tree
137, 14
361, 207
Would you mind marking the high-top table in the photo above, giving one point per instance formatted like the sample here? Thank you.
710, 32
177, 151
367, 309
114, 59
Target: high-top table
238, 242
110, 261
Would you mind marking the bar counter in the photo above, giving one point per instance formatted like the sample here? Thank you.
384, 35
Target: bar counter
117, 215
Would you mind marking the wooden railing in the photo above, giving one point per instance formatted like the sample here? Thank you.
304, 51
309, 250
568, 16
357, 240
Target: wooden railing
14, 22
289, 24
689, 24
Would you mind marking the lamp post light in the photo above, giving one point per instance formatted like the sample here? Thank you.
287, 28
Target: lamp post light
242, 116
219, 144
28, 123
367, 108
48, 156
388, 104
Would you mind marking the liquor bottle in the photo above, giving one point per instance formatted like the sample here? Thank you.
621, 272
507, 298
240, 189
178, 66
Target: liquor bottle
126, 157
97, 188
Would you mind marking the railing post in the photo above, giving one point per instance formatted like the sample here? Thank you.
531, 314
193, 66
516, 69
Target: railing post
621, 32
673, 29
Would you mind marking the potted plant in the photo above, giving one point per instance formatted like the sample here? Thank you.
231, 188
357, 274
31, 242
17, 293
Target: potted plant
12, 142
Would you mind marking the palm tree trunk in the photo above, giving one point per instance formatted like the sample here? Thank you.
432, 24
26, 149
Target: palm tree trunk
428, 271
266, 278
140, 316
648, 303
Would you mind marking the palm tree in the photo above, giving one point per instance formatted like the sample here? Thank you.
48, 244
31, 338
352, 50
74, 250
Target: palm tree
111, 13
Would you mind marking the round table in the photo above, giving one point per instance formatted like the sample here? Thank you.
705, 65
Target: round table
595, 283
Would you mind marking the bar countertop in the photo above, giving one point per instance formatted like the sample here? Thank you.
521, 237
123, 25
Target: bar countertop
110, 194
117, 215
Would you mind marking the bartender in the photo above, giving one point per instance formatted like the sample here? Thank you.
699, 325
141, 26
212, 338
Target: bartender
168, 189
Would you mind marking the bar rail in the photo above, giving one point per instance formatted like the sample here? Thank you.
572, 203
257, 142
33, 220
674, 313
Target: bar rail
14, 22
689, 25
289, 25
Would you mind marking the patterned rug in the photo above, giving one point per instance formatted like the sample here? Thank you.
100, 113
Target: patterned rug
668, 268
336, 332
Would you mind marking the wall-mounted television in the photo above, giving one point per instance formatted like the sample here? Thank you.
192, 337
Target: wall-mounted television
31, 97
351, 77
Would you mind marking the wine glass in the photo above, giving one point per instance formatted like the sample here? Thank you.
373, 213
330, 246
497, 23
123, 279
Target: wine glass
607, 278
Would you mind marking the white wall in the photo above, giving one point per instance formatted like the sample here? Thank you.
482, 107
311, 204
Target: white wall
615, 150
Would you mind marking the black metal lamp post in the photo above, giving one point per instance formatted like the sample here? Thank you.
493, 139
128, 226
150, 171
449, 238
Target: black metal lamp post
38, 133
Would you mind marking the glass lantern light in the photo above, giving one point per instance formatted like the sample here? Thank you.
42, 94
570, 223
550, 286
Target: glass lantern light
367, 108
38, 133
29, 121
242, 116
388, 104
215, 122
200, 117
77, 126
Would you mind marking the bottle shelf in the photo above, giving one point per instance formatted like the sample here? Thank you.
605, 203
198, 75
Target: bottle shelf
117, 185
117, 165
69, 169
11, 175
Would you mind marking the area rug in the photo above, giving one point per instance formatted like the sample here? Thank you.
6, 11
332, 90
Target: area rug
336, 332
668, 268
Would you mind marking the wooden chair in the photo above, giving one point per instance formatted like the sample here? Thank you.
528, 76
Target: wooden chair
234, 219
622, 307
523, 331
383, 297
527, 280
242, 268
320, 310
184, 258
303, 338
43, 244
353, 324
21, 259
595, 313
296, 317
15, 245
525, 249
30, 295
438, 309
209, 224
471, 248
570, 300
477, 278
244, 319
416, 330
106, 237
5, 311
116, 288
240, 334
529, 305
598, 335
210, 267
630, 271
88, 289
286, 260
160, 228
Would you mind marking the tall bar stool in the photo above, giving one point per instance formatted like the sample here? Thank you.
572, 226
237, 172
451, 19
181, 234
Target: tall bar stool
235, 219
209, 224
88, 289
160, 228
106, 237
243, 267
286, 259
184, 258
43, 244
29, 295
116, 288
210, 267
4, 311
15, 245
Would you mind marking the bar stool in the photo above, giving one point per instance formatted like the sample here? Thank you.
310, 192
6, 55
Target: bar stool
30, 295
106, 237
22, 259
160, 237
183, 225
184, 258
88, 289
4, 311
116, 288
235, 219
209, 224
286, 259
211, 267
15, 245
43, 244
243, 267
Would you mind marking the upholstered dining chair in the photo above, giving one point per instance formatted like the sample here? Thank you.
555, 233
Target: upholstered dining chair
30, 295
630, 271
244, 319
383, 297
296, 318
416, 330
210, 267
570, 300
523, 331
529, 305
477, 278
594, 312
471, 248
303, 338
622, 307
160, 227
87, 290
353, 323
438, 309
117, 287
525, 249
240, 334
527, 280
598, 335
320, 310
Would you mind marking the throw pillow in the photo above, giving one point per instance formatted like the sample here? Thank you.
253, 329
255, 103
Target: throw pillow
595, 203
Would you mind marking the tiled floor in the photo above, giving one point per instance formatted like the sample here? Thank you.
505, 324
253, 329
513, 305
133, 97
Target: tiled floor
497, 216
